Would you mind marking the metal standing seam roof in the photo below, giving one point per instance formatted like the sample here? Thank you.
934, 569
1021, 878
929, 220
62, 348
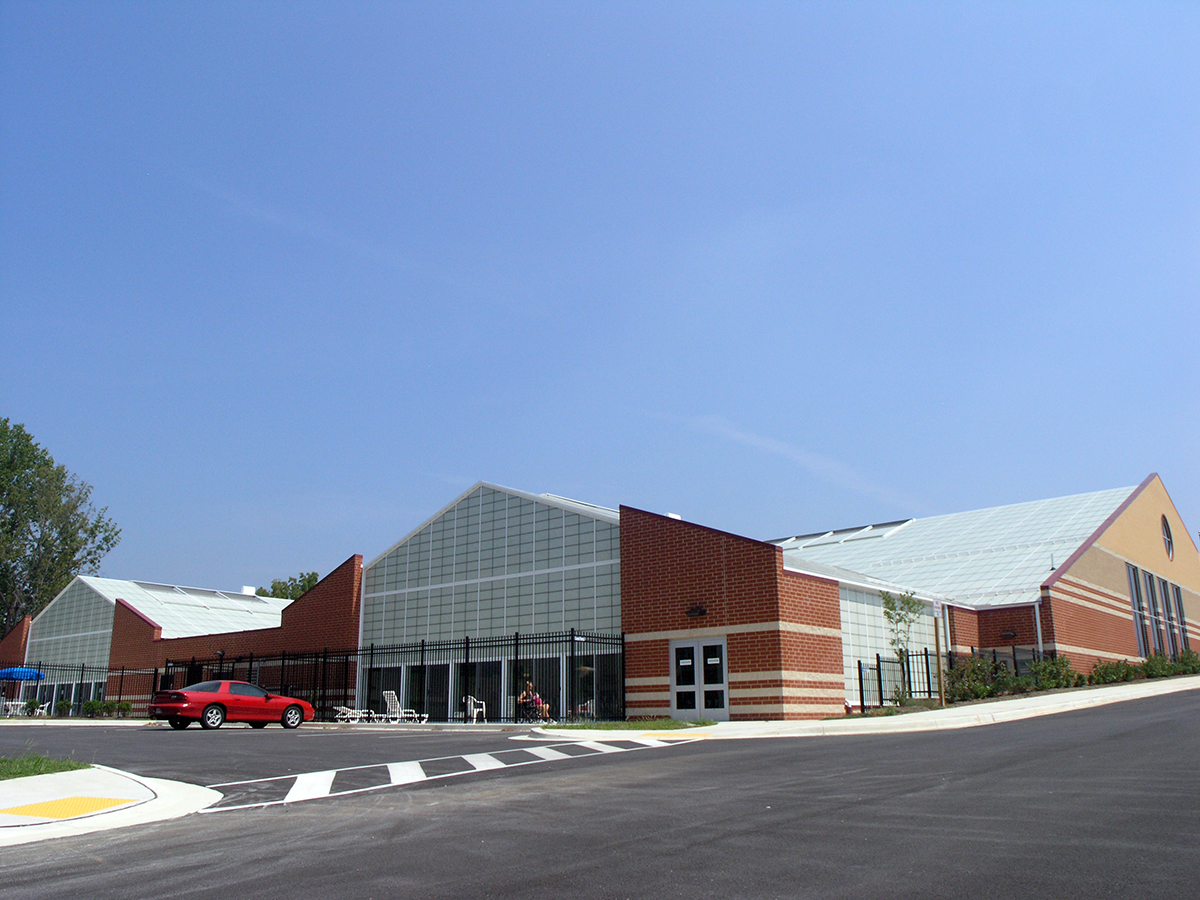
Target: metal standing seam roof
190, 612
987, 557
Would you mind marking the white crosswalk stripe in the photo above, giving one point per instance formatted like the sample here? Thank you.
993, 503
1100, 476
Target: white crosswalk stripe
359, 779
311, 785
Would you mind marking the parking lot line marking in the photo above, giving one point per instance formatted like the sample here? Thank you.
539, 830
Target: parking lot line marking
311, 785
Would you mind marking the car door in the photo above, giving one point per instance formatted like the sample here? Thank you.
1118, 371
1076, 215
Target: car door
251, 703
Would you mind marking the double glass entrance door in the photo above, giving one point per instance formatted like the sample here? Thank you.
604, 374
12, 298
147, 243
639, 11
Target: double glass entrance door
699, 680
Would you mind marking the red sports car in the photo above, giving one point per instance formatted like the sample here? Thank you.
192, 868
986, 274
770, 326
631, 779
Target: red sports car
213, 703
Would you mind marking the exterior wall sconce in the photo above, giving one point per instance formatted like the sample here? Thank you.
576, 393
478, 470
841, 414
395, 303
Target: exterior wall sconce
697, 610
1008, 635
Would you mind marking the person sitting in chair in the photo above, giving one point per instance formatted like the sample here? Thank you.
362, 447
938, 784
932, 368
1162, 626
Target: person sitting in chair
530, 705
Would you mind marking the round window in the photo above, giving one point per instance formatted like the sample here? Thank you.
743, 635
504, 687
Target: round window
1167, 542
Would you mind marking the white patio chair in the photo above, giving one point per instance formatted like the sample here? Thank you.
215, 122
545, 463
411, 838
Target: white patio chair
475, 709
347, 715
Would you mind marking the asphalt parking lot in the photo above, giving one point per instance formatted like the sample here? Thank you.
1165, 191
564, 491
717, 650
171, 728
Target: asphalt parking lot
1093, 803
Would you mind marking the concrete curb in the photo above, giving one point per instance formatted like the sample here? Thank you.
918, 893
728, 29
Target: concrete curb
133, 800
968, 716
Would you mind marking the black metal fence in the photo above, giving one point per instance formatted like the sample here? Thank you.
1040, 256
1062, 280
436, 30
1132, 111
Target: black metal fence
579, 675
75, 685
885, 679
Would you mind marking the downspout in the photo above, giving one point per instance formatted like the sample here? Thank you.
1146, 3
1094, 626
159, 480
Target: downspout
1037, 621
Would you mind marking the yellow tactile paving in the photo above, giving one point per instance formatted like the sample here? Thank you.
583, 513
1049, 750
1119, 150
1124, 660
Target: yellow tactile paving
66, 808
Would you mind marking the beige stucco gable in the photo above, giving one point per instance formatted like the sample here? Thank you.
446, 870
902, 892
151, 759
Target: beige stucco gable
1136, 534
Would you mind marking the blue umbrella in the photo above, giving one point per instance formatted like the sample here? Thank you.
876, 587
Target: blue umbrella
20, 673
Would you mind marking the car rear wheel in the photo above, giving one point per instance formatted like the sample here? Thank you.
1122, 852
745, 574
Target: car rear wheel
212, 717
292, 717
258, 724
179, 723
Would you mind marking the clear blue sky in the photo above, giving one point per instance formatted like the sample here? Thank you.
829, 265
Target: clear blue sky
280, 280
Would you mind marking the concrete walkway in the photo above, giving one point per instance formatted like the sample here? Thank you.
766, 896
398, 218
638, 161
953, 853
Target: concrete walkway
962, 716
98, 798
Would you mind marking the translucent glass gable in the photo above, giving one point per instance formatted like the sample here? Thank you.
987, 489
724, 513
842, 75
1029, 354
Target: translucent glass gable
74, 629
493, 563
77, 625
987, 557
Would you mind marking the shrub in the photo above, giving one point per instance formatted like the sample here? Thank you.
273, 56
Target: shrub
972, 679
1051, 674
1112, 672
62, 708
124, 708
31, 706
93, 708
1188, 663
110, 707
1157, 666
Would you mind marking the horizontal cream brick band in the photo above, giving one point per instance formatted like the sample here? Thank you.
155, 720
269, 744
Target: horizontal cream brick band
811, 693
648, 695
655, 680
1123, 612
777, 675
1091, 651
823, 709
752, 628
1088, 587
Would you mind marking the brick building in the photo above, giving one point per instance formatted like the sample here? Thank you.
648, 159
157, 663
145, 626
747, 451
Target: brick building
715, 625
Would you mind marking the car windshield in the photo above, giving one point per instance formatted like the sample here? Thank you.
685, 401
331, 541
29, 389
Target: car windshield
205, 687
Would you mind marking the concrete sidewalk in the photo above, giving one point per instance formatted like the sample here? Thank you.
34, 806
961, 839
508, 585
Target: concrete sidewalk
87, 800
1009, 709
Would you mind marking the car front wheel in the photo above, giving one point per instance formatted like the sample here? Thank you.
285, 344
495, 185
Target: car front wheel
292, 717
178, 723
212, 717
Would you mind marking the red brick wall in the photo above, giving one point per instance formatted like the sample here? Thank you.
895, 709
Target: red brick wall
324, 617
1088, 624
12, 648
789, 666
964, 629
1019, 620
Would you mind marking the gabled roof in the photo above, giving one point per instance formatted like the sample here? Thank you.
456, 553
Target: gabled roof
602, 513
987, 557
189, 612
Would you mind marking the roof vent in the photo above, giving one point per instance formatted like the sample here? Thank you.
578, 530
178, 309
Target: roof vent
676, 516
248, 589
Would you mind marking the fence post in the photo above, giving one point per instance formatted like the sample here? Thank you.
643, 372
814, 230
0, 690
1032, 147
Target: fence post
862, 697
467, 670
622, 676
324, 675
121, 685
928, 676
571, 676
879, 677
1016, 672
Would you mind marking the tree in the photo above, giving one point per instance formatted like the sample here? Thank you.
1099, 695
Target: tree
901, 613
49, 530
290, 589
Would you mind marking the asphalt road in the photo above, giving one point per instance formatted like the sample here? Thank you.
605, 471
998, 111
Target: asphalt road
1095, 803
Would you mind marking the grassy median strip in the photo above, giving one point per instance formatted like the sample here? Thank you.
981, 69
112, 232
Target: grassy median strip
33, 764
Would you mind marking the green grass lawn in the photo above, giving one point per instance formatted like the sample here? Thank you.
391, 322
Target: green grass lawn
33, 764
